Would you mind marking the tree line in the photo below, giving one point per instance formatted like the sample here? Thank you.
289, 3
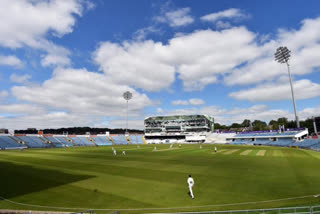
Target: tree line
246, 125
79, 131
258, 125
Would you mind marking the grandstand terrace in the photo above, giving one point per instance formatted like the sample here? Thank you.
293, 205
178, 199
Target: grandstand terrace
297, 138
21, 141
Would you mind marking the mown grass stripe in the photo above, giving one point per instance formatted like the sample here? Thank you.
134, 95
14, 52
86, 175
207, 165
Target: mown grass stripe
261, 152
277, 153
163, 150
231, 151
246, 152
222, 150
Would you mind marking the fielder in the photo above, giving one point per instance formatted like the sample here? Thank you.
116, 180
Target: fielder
123, 152
215, 149
190, 182
114, 152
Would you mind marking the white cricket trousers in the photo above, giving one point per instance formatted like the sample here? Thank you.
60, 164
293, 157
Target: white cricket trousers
190, 190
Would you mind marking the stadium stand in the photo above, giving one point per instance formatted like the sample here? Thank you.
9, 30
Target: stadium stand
315, 147
77, 141
281, 142
307, 143
81, 141
136, 139
291, 138
33, 142
101, 141
55, 142
119, 139
18, 140
64, 140
261, 141
7, 143
242, 141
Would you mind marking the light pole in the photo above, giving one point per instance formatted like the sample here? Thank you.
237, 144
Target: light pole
127, 96
282, 55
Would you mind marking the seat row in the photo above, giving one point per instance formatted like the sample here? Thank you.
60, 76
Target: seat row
306, 143
16, 142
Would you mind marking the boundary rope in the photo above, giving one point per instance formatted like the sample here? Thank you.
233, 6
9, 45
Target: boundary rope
160, 208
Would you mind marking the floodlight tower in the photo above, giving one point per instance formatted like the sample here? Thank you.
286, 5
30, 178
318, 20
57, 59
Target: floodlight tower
127, 96
282, 55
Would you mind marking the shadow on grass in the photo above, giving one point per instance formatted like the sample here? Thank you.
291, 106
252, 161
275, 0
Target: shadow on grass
16, 180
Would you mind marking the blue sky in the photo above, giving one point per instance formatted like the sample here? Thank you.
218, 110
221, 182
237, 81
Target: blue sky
67, 63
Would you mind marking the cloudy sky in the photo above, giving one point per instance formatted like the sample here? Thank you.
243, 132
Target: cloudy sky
67, 63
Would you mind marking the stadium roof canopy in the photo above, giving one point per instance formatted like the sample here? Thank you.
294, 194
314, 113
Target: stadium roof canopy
181, 117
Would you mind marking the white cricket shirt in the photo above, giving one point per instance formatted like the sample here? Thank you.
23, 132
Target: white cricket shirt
190, 181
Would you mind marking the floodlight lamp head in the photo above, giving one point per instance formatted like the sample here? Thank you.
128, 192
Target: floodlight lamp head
282, 54
127, 95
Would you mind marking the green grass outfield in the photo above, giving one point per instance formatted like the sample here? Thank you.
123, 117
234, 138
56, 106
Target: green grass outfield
93, 178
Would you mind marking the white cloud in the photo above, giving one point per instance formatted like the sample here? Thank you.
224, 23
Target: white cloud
24, 22
159, 110
176, 18
132, 124
192, 101
141, 64
197, 58
20, 78
232, 13
22, 109
11, 61
309, 113
303, 89
196, 101
237, 115
72, 97
81, 92
142, 33
180, 102
28, 22
304, 44
56, 55
201, 57
48, 120
223, 25
3, 94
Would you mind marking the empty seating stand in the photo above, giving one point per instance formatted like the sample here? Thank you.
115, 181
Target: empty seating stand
136, 139
55, 142
261, 141
33, 142
64, 140
119, 140
282, 142
307, 143
81, 141
8, 143
101, 141
244, 141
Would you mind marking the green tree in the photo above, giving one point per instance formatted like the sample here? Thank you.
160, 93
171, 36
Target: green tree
259, 125
308, 123
246, 123
274, 124
235, 125
283, 121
